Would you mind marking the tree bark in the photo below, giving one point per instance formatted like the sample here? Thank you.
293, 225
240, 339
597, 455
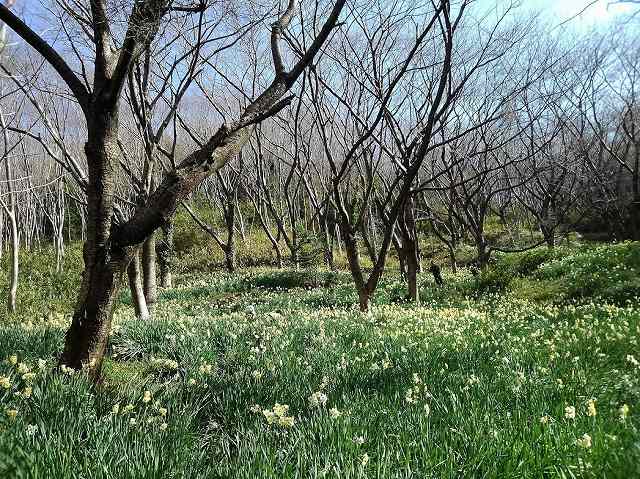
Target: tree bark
410, 248
483, 253
412, 276
164, 251
230, 247
86, 339
363, 297
549, 236
135, 285
230, 258
149, 271
402, 263
453, 261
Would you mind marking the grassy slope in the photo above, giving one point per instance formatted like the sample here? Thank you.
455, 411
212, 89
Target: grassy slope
454, 388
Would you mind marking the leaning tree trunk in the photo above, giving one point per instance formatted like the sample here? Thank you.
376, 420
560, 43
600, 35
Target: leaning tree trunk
353, 258
134, 273
164, 251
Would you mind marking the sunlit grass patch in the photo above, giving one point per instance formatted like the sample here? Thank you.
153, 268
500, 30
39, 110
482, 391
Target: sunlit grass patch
234, 380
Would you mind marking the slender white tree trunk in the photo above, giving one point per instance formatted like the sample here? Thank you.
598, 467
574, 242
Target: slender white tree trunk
10, 210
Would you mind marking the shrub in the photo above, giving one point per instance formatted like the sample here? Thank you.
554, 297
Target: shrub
608, 271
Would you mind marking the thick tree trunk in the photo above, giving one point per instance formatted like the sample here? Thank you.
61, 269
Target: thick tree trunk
87, 337
549, 236
363, 297
164, 250
135, 285
149, 271
483, 254
412, 276
453, 261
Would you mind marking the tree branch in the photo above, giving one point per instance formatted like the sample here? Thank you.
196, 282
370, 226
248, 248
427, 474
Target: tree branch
49, 54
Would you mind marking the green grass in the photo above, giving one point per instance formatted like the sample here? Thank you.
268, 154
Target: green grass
455, 387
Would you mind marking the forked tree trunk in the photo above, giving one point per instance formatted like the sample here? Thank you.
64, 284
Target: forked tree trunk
364, 295
149, 271
134, 273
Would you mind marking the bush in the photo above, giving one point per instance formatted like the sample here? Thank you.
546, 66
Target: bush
538, 291
609, 272
507, 267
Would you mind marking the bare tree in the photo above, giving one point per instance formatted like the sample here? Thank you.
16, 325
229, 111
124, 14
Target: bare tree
112, 241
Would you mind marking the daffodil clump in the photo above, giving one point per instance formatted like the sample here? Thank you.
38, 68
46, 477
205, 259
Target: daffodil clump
278, 415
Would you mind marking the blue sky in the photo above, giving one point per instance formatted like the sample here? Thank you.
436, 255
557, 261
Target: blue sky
559, 11
556, 11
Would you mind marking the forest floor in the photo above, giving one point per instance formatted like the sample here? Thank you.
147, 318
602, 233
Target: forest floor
530, 370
